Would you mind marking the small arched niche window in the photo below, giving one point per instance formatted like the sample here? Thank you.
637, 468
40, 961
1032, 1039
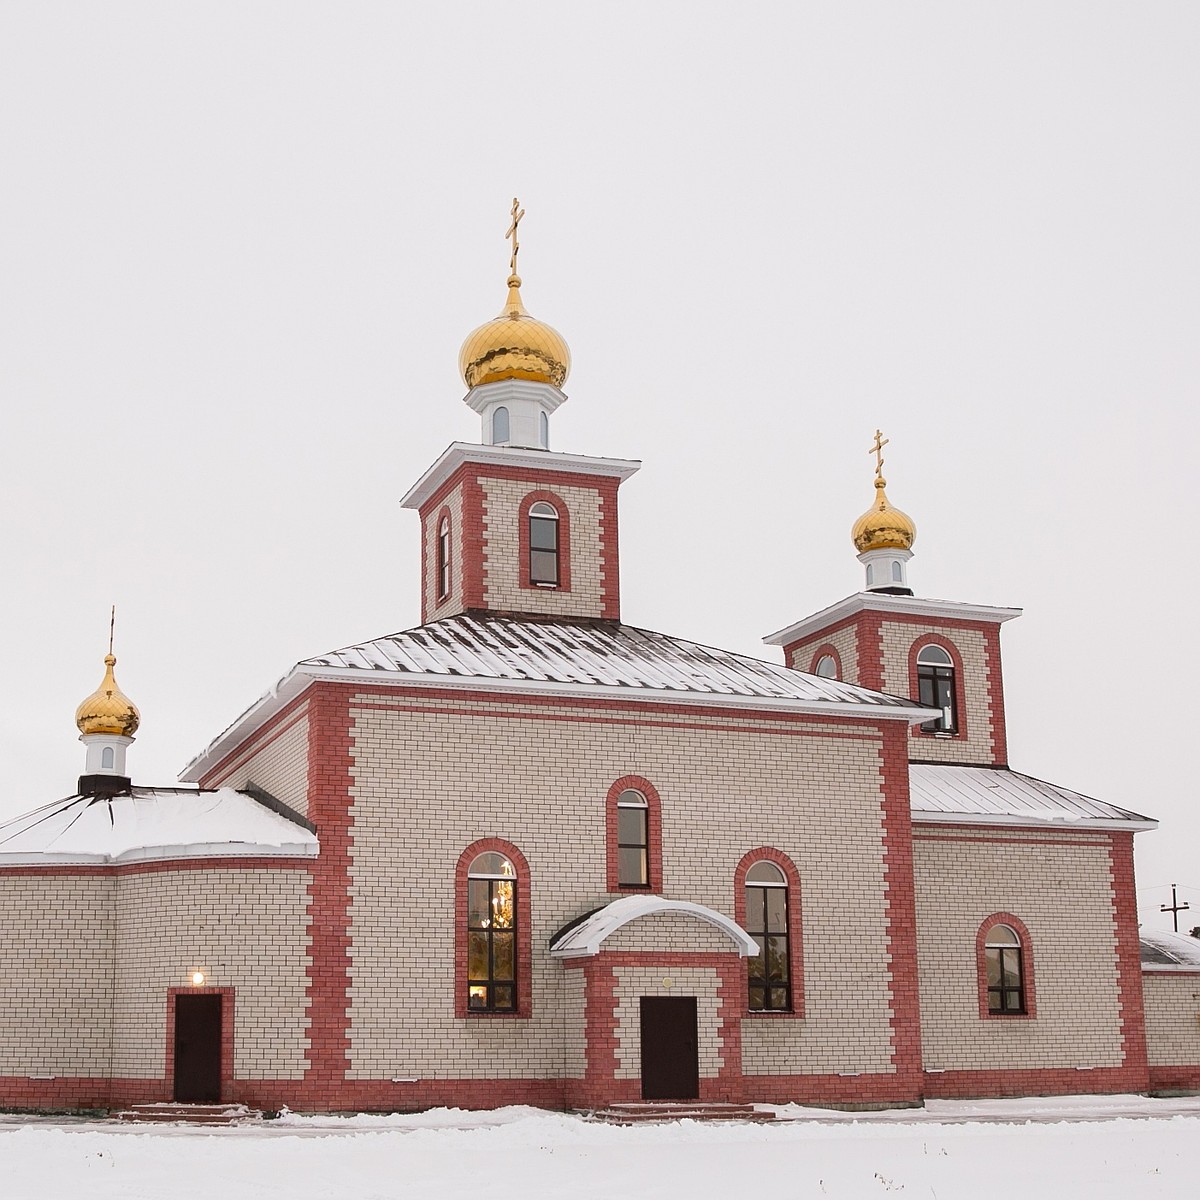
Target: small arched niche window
1005, 971
769, 971
543, 545
633, 839
897, 573
827, 667
491, 934
935, 683
443, 558
544, 430
108, 758
500, 428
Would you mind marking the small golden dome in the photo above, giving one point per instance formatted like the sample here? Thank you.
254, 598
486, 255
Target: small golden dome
883, 527
514, 346
108, 709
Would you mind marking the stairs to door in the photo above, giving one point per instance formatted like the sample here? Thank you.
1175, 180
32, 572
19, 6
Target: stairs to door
679, 1110
191, 1114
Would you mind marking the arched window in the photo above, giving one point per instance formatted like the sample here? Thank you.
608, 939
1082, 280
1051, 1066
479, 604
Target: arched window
443, 558
544, 430
936, 686
491, 933
1005, 976
633, 839
827, 667
108, 758
543, 545
500, 431
897, 573
770, 975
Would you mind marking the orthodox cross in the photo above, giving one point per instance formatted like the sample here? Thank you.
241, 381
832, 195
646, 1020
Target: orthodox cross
112, 621
1174, 908
877, 450
517, 213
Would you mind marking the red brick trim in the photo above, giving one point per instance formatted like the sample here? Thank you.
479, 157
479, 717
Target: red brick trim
851, 1090
330, 783
524, 932
227, 1040
901, 914
1028, 977
1051, 1081
1129, 954
610, 551
995, 698
795, 926
162, 865
258, 741
560, 506
1175, 1079
654, 834
870, 651
825, 650
914, 688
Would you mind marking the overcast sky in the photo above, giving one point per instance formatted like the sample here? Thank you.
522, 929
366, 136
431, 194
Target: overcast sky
241, 243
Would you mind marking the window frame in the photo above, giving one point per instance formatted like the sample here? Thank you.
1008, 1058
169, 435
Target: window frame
759, 928
442, 582
507, 428
795, 930
934, 728
1028, 993
648, 792
522, 960
826, 651
524, 518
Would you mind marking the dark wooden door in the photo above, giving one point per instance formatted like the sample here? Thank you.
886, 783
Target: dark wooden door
198, 1049
670, 1048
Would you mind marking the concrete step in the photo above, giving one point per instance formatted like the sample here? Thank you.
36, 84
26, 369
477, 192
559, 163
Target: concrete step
678, 1110
192, 1114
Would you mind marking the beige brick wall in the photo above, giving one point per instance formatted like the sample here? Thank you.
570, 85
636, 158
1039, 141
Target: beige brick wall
1172, 1001
1064, 896
502, 551
635, 982
670, 933
976, 745
244, 929
56, 987
454, 601
429, 782
276, 762
845, 642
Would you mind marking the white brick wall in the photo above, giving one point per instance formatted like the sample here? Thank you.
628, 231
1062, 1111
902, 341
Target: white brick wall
635, 982
1172, 1018
277, 762
844, 641
453, 603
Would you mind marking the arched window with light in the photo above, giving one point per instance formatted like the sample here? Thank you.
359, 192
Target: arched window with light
491, 934
543, 545
936, 687
769, 971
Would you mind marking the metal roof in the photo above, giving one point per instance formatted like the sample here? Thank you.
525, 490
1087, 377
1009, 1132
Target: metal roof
985, 795
592, 654
150, 824
1162, 950
584, 938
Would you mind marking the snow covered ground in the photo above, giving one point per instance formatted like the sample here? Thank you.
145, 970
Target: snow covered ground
1125, 1148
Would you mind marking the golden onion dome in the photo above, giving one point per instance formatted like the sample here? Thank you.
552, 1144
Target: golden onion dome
108, 709
883, 527
514, 346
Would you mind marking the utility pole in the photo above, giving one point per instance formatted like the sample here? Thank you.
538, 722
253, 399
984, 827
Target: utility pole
1174, 908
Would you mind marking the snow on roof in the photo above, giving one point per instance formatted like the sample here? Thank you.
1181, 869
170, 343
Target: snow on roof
1163, 951
150, 824
990, 795
593, 654
585, 937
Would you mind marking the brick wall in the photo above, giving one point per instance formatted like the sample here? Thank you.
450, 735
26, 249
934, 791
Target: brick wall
635, 982
434, 774
275, 760
1172, 1000
433, 608
1061, 888
246, 930
56, 987
502, 551
844, 641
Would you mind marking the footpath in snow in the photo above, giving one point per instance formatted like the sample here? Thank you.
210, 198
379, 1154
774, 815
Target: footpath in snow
1123, 1147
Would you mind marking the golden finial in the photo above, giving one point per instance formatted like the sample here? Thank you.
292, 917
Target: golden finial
517, 213
882, 527
877, 450
108, 709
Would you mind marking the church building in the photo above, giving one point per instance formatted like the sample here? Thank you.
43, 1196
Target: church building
529, 853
